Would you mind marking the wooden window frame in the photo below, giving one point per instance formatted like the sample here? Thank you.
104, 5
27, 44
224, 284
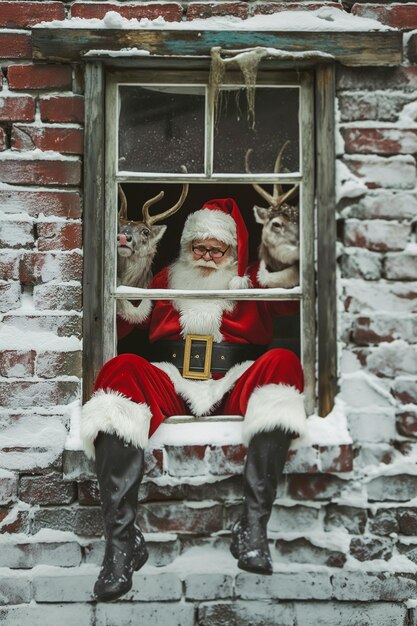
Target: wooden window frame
318, 322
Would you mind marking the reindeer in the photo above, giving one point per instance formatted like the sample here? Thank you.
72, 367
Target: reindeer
279, 249
137, 243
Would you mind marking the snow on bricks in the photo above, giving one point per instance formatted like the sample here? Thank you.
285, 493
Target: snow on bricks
40, 267
53, 203
200, 10
403, 16
19, 109
384, 141
397, 172
39, 169
377, 235
170, 11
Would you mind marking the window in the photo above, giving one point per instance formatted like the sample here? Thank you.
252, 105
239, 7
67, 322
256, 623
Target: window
158, 122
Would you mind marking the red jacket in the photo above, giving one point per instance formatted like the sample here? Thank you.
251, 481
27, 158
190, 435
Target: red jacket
250, 321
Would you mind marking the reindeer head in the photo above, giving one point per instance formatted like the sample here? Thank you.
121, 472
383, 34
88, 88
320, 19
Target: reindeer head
140, 238
281, 230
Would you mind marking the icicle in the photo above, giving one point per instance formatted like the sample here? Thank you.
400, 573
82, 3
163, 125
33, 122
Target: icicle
248, 62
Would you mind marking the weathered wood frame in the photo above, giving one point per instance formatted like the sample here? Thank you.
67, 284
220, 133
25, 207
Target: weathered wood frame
101, 224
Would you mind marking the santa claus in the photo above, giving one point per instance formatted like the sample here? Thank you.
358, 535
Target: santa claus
209, 356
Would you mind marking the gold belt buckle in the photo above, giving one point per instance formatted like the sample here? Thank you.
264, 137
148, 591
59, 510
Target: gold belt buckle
187, 372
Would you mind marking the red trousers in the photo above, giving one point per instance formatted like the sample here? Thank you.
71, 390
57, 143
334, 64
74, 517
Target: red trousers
142, 382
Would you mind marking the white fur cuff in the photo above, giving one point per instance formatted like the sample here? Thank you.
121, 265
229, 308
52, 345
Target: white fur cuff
134, 314
112, 412
274, 406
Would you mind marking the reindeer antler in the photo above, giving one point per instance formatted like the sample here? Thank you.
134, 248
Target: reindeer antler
123, 203
278, 197
152, 219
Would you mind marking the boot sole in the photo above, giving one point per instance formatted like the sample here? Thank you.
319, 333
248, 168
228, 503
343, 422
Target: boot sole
254, 570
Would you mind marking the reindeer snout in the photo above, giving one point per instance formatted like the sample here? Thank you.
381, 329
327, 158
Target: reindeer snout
122, 239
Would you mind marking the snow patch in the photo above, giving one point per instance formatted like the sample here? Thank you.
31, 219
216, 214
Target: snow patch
324, 19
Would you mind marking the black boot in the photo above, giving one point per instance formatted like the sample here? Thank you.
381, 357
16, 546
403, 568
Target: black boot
119, 471
267, 453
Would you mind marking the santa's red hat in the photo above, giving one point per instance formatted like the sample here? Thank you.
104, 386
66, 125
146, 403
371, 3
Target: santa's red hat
221, 219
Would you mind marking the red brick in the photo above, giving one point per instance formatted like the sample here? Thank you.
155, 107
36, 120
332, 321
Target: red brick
276, 7
10, 295
314, 487
58, 139
9, 264
404, 78
370, 548
386, 172
3, 139
407, 423
336, 458
21, 14
53, 296
88, 493
50, 203
15, 45
180, 517
170, 11
401, 266
64, 325
17, 234
47, 489
405, 390
154, 463
29, 394
376, 329
17, 109
42, 172
10, 522
53, 364
39, 76
224, 460
412, 48
62, 109
186, 460
380, 140
17, 363
398, 15
199, 10
40, 267
376, 235
59, 236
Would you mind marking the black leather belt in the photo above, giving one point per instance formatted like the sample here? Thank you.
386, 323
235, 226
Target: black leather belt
198, 356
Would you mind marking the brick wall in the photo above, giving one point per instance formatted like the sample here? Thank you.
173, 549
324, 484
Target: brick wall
340, 522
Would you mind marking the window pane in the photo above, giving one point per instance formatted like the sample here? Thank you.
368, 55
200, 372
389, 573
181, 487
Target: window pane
276, 121
161, 128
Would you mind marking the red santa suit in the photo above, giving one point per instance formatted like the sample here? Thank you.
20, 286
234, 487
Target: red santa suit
132, 397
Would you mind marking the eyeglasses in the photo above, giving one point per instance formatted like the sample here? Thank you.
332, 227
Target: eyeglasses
215, 253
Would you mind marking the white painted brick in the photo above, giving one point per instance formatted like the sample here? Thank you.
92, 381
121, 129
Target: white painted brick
133, 614
155, 587
14, 588
284, 586
373, 426
64, 584
246, 614
350, 614
26, 555
286, 518
368, 586
44, 615
8, 487
208, 586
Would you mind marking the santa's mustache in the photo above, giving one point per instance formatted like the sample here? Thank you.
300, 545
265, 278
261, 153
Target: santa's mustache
202, 263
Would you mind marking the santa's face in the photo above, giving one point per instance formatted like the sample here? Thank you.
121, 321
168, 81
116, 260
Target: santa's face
209, 255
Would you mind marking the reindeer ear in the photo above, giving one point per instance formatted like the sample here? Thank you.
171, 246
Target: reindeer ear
261, 214
158, 232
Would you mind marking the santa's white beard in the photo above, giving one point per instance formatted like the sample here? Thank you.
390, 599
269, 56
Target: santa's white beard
187, 273
201, 317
